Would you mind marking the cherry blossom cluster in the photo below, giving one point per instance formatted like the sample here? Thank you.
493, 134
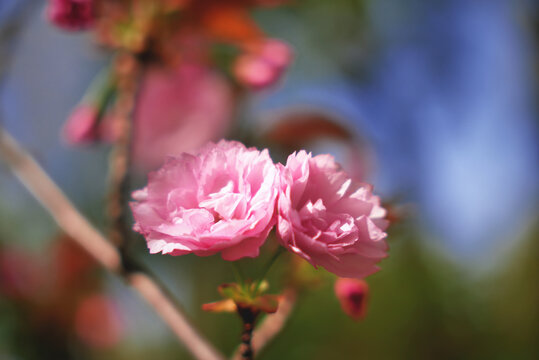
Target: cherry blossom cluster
227, 198
171, 32
196, 57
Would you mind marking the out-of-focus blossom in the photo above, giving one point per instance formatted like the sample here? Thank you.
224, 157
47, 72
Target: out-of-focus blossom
62, 293
221, 200
255, 72
276, 52
352, 295
71, 265
329, 219
179, 110
264, 65
153, 27
21, 276
82, 125
98, 322
71, 14
30, 278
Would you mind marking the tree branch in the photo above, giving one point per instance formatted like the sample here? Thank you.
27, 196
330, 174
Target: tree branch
272, 324
127, 74
80, 230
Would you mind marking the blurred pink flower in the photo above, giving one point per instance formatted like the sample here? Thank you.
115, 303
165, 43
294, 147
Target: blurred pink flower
221, 200
277, 53
81, 126
352, 294
22, 275
329, 219
71, 14
263, 66
179, 110
255, 72
98, 322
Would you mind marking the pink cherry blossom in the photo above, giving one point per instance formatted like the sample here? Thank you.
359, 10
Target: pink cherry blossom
81, 126
328, 218
352, 294
71, 14
179, 110
220, 200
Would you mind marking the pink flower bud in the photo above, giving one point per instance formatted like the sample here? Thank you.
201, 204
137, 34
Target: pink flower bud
255, 72
71, 14
352, 294
81, 126
264, 66
276, 52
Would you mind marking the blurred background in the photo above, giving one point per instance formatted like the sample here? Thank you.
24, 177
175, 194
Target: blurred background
433, 102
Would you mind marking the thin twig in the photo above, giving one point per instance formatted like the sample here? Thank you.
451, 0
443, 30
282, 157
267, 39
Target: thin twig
80, 230
272, 324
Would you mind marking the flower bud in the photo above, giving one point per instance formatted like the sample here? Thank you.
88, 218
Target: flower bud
352, 294
255, 72
277, 53
81, 126
71, 15
263, 66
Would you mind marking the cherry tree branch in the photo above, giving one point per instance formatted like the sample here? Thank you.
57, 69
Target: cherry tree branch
272, 324
127, 73
81, 231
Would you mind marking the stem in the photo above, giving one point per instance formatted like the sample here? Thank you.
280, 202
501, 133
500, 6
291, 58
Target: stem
127, 70
267, 268
272, 324
237, 273
248, 316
